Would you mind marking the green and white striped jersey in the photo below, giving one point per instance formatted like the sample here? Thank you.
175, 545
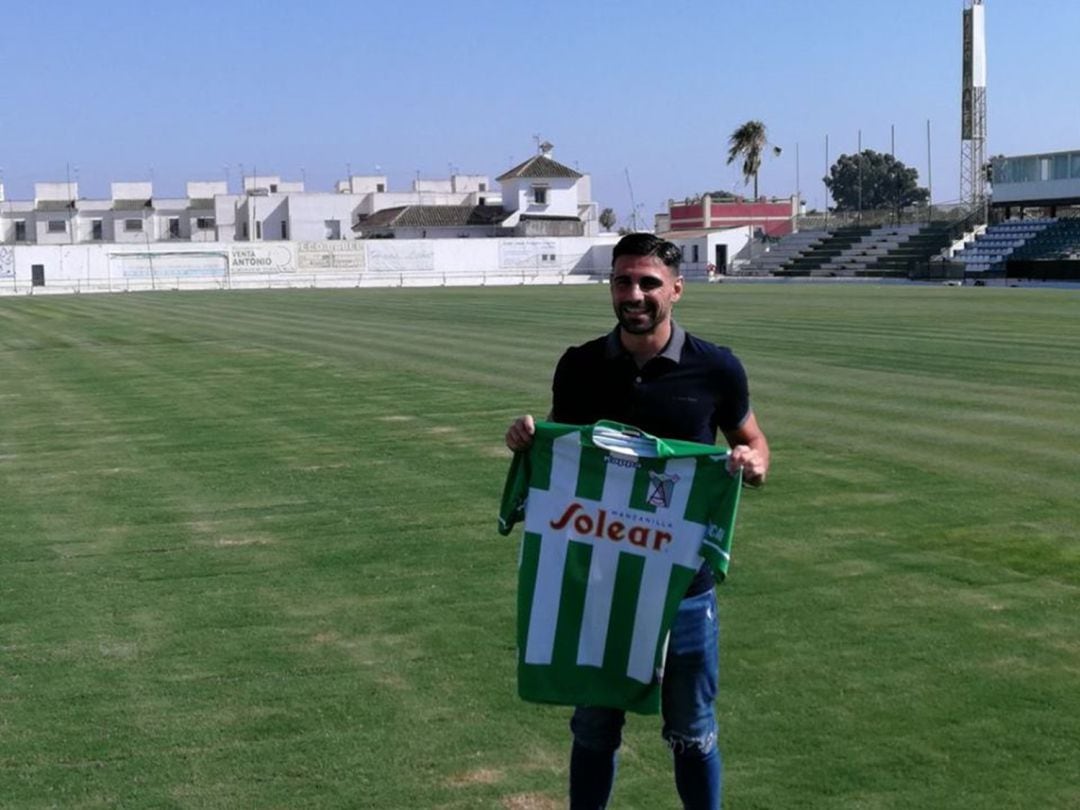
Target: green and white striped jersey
616, 524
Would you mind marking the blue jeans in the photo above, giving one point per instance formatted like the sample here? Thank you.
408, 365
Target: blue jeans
687, 696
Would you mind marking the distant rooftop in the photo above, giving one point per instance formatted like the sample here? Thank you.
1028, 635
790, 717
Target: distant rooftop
539, 166
433, 216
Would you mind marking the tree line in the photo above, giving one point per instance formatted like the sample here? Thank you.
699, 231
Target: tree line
866, 180
863, 181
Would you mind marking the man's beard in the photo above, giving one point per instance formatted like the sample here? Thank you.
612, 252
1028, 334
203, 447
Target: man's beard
634, 325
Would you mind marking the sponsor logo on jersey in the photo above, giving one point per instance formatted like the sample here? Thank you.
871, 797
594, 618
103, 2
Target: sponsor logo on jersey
600, 524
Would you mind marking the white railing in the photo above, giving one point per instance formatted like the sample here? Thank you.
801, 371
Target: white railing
301, 280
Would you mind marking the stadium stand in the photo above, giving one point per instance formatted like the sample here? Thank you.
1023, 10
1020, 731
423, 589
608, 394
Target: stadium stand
832, 246
1060, 239
989, 251
855, 251
780, 253
915, 251
1051, 255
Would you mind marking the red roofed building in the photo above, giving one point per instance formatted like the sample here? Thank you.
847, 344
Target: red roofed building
774, 218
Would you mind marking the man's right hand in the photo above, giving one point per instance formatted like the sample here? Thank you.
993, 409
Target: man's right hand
519, 436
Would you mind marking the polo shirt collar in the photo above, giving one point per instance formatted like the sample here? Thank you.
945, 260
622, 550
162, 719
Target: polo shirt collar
672, 351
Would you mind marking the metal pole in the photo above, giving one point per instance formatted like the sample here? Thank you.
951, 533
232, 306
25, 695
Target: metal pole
929, 178
859, 149
798, 190
71, 205
895, 188
826, 184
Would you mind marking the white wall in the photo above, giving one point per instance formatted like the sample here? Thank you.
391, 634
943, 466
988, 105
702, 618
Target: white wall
471, 182
206, 189
42, 234
89, 210
308, 214
734, 238
176, 208
56, 191
396, 199
225, 216
375, 262
1048, 190
122, 235
132, 191
362, 184
584, 189
438, 186
265, 181
562, 196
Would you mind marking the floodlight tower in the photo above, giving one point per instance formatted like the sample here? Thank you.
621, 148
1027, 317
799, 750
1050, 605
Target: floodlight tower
973, 108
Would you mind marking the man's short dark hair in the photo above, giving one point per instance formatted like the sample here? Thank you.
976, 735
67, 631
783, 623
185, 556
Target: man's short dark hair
648, 244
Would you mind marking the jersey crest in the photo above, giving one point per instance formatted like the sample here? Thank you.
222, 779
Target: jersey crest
661, 489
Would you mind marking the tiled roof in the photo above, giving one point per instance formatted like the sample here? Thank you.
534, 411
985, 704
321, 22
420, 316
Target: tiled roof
539, 166
432, 216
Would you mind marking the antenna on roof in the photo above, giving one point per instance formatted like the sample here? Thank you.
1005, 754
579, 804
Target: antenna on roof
633, 202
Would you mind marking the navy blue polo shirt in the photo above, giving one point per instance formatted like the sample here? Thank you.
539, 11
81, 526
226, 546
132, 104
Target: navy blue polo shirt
689, 391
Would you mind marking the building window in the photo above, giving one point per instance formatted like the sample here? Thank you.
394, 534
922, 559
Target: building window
695, 252
244, 231
174, 227
547, 258
483, 186
284, 229
273, 188
57, 226
540, 195
333, 228
258, 229
132, 224
20, 230
482, 201
96, 230
204, 223
380, 187
1061, 167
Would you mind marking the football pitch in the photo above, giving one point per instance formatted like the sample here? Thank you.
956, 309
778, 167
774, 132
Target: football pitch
248, 554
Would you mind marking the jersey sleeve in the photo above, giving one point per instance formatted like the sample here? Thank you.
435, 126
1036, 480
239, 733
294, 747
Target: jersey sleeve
723, 507
515, 493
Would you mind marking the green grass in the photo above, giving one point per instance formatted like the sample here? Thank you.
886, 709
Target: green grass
249, 554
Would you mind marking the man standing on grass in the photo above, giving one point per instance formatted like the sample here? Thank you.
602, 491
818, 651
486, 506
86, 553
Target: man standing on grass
650, 373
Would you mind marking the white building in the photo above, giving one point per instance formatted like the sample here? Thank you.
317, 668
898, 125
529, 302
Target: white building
1049, 180
539, 197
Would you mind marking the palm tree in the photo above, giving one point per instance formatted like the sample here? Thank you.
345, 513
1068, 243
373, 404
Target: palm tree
748, 142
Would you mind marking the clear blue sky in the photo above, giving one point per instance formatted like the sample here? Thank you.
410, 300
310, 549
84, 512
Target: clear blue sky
127, 90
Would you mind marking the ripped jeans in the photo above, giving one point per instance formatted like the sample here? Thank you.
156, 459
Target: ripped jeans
688, 692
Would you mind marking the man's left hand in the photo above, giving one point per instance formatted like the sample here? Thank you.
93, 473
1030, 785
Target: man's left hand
753, 463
